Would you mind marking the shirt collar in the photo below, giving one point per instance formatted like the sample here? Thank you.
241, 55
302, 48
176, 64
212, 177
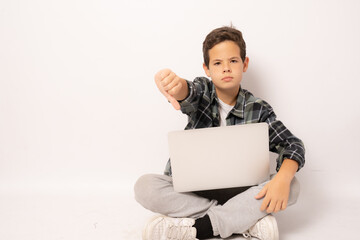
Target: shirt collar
239, 107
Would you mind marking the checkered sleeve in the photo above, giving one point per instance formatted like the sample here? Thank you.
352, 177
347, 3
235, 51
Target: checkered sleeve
281, 140
196, 92
168, 170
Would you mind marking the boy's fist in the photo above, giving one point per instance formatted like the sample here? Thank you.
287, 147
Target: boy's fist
169, 85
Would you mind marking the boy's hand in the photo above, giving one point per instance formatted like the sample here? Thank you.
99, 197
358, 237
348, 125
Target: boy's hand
275, 194
171, 86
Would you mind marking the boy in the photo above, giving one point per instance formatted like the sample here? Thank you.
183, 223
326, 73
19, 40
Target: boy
220, 102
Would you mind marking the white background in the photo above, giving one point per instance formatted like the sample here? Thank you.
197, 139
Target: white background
81, 117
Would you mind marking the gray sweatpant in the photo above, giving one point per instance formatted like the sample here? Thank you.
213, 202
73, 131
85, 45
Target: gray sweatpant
156, 193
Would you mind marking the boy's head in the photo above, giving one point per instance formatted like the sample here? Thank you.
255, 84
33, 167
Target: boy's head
225, 61
222, 34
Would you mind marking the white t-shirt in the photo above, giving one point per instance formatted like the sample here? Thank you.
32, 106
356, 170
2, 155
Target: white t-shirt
224, 110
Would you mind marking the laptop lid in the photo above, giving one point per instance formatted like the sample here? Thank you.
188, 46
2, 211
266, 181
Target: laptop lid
219, 157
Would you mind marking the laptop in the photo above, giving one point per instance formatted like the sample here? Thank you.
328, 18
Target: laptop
219, 157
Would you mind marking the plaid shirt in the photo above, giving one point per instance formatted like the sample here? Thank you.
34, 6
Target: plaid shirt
201, 106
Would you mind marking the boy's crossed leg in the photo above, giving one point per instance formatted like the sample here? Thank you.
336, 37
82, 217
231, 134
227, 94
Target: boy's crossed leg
237, 215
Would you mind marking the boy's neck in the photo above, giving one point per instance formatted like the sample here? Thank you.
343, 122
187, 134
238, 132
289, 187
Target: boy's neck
228, 96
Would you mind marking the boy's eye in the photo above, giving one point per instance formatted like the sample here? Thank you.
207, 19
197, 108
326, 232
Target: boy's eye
217, 63
234, 61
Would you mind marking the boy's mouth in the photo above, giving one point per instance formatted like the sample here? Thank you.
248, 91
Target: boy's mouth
227, 79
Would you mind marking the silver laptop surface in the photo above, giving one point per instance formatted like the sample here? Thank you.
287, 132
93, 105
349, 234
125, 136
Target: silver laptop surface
219, 157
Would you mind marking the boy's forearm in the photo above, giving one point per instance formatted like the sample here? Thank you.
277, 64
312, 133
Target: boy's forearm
288, 169
183, 91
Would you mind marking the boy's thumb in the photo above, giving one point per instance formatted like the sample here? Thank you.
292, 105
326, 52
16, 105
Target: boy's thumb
261, 194
170, 98
173, 101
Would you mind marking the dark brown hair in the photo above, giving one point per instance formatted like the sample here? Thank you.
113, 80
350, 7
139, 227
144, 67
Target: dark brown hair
222, 34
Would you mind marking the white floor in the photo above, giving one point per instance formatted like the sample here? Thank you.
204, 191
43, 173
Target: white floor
323, 211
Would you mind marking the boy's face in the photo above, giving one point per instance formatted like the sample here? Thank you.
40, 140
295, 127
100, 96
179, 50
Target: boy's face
225, 66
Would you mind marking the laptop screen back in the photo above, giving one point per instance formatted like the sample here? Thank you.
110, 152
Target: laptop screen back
219, 157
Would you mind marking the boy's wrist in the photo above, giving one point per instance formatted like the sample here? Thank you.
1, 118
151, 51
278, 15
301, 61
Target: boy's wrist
184, 91
288, 169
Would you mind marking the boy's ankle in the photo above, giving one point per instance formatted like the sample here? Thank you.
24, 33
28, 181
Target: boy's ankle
203, 228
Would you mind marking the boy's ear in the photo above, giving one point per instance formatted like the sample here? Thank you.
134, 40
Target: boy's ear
246, 64
206, 69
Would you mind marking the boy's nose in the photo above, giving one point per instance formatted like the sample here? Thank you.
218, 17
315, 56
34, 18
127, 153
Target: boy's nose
226, 68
